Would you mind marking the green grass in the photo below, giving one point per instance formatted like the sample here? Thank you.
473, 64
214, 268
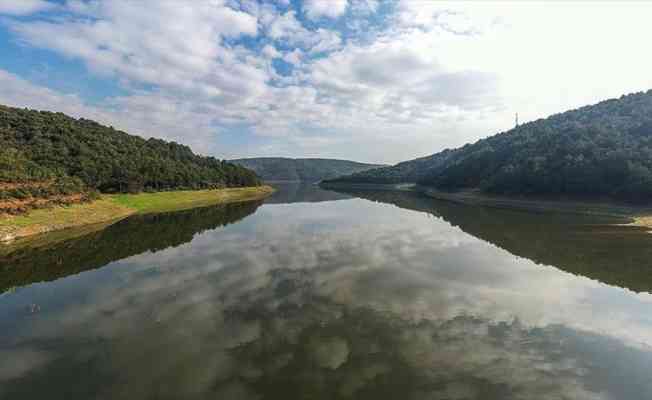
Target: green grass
61, 217
113, 207
145, 203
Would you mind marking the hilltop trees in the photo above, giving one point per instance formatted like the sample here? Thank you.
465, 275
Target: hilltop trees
599, 150
39, 145
604, 149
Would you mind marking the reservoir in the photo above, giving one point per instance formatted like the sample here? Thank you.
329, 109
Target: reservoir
315, 294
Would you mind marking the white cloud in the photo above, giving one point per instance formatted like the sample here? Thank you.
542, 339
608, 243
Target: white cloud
327, 40
284, 26
437, 75
18, 92
270, 52
24, 7
315, 9
399, 80
288, 30
364, 6
165, 43
148, 115
447, 16
293, 57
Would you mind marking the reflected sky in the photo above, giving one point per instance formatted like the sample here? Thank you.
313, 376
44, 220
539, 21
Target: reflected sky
302, 192
336, 299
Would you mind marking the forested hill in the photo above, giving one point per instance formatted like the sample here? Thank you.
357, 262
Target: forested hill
49, 148
599, 150
302, 169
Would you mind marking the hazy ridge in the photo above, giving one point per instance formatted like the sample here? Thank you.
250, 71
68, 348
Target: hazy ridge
302, 169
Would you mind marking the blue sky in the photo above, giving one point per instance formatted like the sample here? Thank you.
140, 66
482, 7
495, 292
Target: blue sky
369, 80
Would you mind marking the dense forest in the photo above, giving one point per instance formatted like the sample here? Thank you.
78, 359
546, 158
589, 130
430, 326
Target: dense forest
599, 150
45, 153
302, 169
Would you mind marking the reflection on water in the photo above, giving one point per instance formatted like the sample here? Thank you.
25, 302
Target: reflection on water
302, 192
337, 299
128, 237
597, 247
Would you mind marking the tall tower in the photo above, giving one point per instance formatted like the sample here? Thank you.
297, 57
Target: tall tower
517, 120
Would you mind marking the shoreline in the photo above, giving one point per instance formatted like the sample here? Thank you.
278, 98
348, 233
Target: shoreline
533, 204
637, 215
111, 208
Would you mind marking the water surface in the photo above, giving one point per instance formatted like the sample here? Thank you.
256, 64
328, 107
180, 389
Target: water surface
363, 295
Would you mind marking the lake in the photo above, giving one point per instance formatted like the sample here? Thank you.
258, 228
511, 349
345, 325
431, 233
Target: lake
314, 294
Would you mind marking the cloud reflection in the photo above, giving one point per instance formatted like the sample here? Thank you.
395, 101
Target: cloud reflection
343, 299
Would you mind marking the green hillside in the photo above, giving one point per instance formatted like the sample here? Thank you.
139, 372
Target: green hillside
45, 154
599, 150
302, 169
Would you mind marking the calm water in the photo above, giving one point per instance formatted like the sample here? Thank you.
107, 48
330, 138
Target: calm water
323, 295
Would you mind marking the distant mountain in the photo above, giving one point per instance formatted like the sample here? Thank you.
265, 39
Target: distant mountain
301, 169
599, 150
45, 155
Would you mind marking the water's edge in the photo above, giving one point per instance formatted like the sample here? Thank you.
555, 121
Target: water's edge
636, 215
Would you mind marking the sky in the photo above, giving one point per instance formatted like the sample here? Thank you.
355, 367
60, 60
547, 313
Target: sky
366, 80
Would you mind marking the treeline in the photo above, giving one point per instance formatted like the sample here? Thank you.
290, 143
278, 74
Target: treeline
301, 169
599, 150
45, 146
24, 184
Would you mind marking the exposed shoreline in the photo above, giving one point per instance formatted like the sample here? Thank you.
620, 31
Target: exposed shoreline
637, 215
112, 208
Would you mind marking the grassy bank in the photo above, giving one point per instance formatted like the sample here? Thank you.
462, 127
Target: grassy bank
146, 203
115, 207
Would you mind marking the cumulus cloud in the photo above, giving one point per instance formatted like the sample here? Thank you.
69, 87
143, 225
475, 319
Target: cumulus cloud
414, 79
326, 40
146, 114
412, 86
293, 57
195, 69
270, 52
136, 41
20, 93
364, 6
24, 7
315, 9
288, 30
286, 26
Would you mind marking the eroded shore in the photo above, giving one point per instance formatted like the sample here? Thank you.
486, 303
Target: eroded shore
112, 208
